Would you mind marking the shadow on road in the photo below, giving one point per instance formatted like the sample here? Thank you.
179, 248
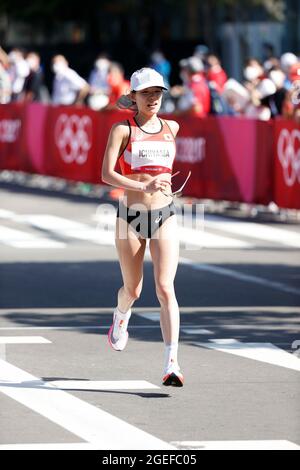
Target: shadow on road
27, 287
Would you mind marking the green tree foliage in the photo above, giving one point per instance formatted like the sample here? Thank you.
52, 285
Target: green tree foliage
39, 10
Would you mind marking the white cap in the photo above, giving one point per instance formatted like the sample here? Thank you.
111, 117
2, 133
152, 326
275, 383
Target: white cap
145, 78
287, 60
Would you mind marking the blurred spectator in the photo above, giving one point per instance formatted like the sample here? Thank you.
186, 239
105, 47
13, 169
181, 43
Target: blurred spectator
98, 81
194, 95
215, 73
236, 95
287, 60
18, 71
268, 90
34, 87
202, 52
291, 107
294, 73
260, 106
117, 84
5, 83
253, 73
278, 78
68, 87
273, 63
159, 63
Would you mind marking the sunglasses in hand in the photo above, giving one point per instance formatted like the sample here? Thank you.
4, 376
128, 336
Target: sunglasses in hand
178, 193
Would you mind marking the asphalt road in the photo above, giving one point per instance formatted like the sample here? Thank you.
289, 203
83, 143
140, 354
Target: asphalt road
239, 296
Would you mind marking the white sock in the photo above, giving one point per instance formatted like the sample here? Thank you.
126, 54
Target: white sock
128, 313
171, 354
124, 316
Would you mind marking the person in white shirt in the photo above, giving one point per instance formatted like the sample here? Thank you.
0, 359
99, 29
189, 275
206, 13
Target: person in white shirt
98, 81
68, 87
5, 85
18, 71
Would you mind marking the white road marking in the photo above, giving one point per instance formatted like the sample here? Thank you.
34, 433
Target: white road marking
103, 385
4, 214
262, 352
155, 309
88, 422
240, 276
59, 446
20, 239
196, 331
23, 340
103, 233
68, 228
257, 231
190, 331
203, 239
74, 327
236, 445
149, 316
187, 235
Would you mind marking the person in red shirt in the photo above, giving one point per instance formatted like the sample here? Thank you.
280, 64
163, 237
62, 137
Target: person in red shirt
117, 83
194, 96
216, 73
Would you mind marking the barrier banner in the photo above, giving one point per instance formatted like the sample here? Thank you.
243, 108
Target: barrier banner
71, 136
34, 138
230, 158
191, 152
287, 164
11, 136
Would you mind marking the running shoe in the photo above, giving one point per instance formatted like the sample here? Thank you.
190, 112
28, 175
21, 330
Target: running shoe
173, 377
118, 334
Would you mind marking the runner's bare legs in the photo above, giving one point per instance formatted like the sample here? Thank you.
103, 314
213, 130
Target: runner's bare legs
164, 250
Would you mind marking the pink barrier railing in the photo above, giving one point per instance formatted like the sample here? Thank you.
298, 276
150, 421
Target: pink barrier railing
233, 159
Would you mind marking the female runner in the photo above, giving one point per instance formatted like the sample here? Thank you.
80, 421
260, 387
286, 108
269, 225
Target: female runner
145, 148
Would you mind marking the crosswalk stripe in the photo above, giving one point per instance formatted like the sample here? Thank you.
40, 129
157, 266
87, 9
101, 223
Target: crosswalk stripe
23, 340
21, 239
187, 235
103, 232
103, 385
203, 239
257, 231
86, 421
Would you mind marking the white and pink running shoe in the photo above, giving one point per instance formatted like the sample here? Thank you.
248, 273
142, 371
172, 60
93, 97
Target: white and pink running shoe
172, 376
118, 334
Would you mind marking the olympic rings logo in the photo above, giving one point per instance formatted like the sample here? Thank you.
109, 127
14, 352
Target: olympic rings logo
73, 137
288, 149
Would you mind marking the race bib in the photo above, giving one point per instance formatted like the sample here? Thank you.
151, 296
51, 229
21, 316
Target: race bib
151, 153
